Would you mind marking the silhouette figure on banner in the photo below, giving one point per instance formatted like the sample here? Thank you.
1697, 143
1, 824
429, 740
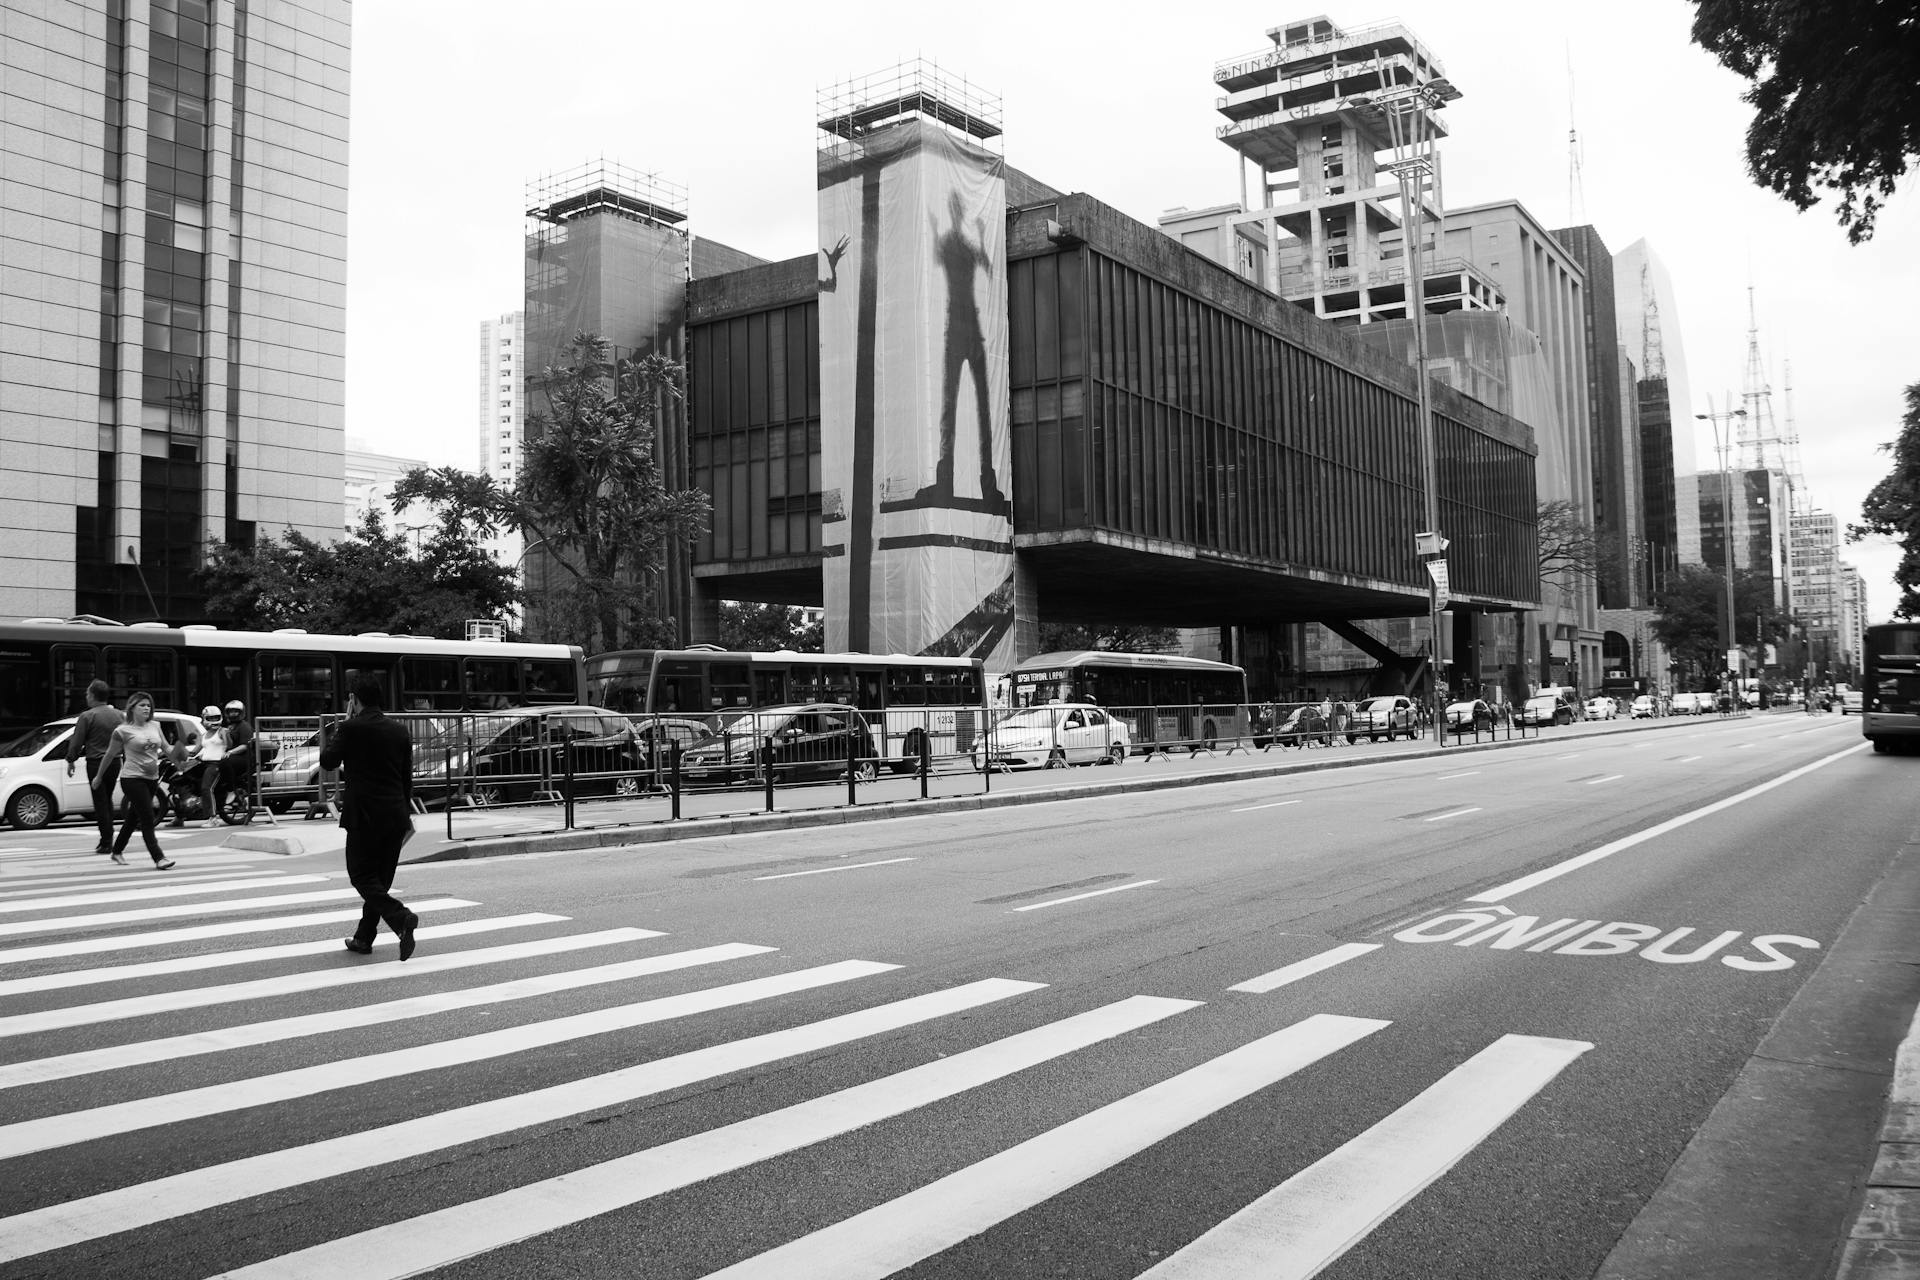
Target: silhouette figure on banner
961, 259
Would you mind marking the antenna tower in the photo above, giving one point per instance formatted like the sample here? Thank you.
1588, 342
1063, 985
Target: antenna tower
1796, 478
1760, 439
1576, 193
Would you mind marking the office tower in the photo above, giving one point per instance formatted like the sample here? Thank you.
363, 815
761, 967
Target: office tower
502, 404
173, 260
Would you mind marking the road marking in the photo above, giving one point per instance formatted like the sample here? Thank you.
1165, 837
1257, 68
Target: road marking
1277, 804
69, 1127
821, 871
895, 1235
253, 955
1448, 777
141, 1205
67, 882
1612, 777
1672, 824
316, 979
1301, 1226
167, 890
1685, 759
1054, 902
1742, 746
1440, 817
67, 924
1575, 756
1306, 968
200, 932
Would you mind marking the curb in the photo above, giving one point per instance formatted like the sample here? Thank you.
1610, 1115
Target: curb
1883, 1242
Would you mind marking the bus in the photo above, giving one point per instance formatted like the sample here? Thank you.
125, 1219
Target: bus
1890, 701
47, 663
1163, 698
909, 701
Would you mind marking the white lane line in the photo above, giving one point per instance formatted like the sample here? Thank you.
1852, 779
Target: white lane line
1054, 902
1575, 756
821, 871
68, 1128
68, 923
169, 1048
1685, 759
1442, 817
201, 932
1612, 777
895, 1235
169, 889
1306, 968
1743, 746
254, 955
1277, 804
464, 1231
1559, 869
1448, 777
57, 1226
1301, 1226
67, 882
81, 1015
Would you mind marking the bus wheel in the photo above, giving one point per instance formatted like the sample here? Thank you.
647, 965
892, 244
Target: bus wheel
1057, 758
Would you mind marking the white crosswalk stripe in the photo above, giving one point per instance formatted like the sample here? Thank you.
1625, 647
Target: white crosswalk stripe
146, 893
1301, 1221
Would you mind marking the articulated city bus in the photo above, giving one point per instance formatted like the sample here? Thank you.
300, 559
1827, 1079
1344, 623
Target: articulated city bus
46, 664
1890, 701
1162, 697
908, 700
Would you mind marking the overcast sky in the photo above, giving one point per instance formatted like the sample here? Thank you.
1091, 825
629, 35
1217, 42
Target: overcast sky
458, 105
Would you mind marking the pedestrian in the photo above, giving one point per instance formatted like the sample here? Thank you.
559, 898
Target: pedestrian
91, 734
376, 757
137, 748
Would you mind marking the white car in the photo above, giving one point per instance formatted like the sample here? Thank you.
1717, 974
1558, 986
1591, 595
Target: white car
1386, 716
34, 786
1601, 708
1642, 708
1053, 736
1852, 702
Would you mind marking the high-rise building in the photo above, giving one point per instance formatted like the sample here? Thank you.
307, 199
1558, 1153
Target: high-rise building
1815, 593
503, 411
173, 265
370, 478
1853, 620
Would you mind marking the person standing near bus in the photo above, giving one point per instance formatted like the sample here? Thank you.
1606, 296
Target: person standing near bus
91, 734
140, 745
377, 811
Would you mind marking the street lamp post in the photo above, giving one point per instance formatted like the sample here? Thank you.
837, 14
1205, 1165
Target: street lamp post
518, 560
1725, 450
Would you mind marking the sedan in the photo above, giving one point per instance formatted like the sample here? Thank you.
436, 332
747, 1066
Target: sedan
526, 753
1054, 736
1382, 717
803, 742
1642, 708
1602, 708
1853, 702
1546, 708
1471, 716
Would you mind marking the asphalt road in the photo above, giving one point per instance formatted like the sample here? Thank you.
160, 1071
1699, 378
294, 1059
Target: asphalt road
1488, 1014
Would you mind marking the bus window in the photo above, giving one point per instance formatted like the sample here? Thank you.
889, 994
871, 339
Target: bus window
293, 684
492, 683
429, 684
73, 668
212, 678
907, 687
129, 668
803, 683
944, 688
769, 687
381, 675
549, 681
871, 690
967, 688
21, 698
837, 684
728, 686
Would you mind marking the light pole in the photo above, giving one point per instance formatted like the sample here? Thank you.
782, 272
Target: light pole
518, 560
1725, 450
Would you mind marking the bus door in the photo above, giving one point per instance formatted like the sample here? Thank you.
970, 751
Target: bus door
679, 688
74, 666
139, 667
214, 677
770, 687
870, 697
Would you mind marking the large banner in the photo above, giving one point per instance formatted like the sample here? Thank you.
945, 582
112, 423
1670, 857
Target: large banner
915, 454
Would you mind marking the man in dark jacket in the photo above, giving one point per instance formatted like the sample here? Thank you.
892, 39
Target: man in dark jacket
377, 811
91, 734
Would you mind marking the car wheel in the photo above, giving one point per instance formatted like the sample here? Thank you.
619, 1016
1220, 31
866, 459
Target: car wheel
30, 809
1057, 758
486, 793
866, 770
626, 785
1117, 753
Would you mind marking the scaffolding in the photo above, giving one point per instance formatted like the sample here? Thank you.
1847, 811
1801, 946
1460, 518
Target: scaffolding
605, 186
852, 110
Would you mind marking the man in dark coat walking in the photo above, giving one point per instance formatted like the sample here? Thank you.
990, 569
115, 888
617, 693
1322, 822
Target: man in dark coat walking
377, 811
91, 734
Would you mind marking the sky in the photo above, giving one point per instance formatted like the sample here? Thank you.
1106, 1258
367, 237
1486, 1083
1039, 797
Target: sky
460, 106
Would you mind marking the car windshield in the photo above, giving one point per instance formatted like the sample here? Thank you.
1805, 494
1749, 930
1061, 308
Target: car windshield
33, 741
1030, 718
1377, 704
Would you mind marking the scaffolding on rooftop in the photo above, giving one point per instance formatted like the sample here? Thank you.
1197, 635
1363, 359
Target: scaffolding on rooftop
606, 186
855, 108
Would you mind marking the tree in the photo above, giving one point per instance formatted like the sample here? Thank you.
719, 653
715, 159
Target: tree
762, 628
1892, 507
369, 581
1692, 605
592, 489
1114, 637
1567, 543
1833, 96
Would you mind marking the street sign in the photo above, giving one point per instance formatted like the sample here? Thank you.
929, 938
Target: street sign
1437, 569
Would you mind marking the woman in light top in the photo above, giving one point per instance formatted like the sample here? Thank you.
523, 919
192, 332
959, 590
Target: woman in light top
138, 745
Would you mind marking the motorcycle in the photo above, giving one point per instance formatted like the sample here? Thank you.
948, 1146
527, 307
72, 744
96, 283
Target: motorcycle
183, 790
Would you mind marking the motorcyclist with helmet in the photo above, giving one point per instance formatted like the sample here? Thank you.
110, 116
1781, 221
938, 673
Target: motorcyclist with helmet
238, 738
213, 748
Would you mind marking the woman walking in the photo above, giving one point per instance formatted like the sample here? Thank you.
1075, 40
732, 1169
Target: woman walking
137, 746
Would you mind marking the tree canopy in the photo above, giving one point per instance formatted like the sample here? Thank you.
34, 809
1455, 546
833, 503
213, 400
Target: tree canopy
1115, 637
371, 580
1892, 507
761, 628
1836, 103
1567, 544
592, 489
1692, 602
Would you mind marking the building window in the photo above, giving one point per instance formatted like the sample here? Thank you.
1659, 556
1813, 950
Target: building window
1334, 166
1337, 259
1335, 226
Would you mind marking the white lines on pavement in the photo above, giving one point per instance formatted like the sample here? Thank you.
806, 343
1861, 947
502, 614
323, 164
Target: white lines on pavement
1306, 968
107, 1213
201, 932
1685, 759
1277, 804
821, 871
1054, 902
1449, 777
67, 881
1301, 1226
895, 1235
1742, 746
1454, 813
1545, 874
171, 889
1612, 777
1575, 756
67, 923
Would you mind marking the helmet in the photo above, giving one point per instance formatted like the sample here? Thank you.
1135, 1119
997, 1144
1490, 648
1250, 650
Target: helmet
237, 705
209, 712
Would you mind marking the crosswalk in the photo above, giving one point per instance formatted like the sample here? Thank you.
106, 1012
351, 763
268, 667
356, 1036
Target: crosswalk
213, 1026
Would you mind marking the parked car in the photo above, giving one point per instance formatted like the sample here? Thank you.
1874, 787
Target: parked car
1642, 708
293, 776
1054, 735
34, 786
1602, 708
1852, 702
1382, 717
1547, 708
800, 742
1474, 715
1684, 704
653, 735
524, 753
1301, 726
